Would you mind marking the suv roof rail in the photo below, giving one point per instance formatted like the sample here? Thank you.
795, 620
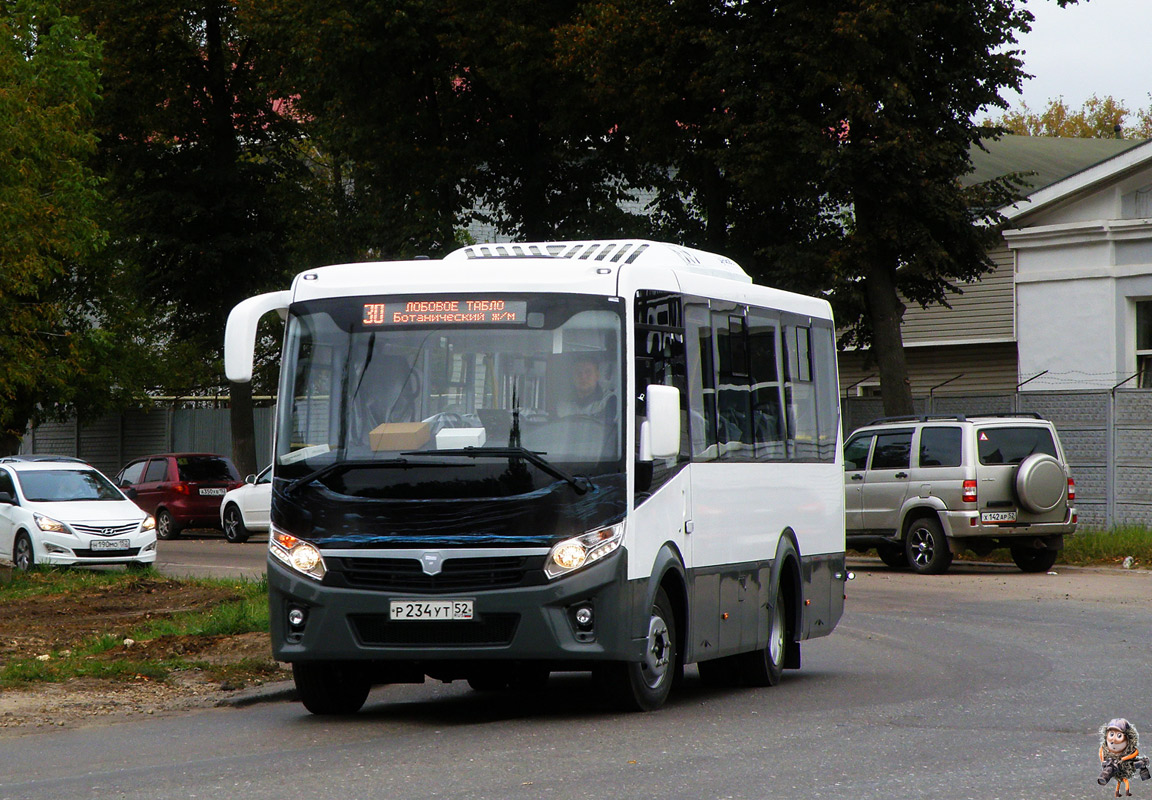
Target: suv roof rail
918, 418
1031, 414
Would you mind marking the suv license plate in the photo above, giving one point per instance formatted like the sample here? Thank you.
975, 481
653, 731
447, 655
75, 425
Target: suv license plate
430, 610
998, 516
110, 544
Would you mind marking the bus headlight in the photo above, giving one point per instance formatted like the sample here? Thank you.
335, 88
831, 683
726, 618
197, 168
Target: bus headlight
572, 554
298, 554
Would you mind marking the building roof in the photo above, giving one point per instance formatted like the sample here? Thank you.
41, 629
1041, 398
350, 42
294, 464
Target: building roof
1044, 160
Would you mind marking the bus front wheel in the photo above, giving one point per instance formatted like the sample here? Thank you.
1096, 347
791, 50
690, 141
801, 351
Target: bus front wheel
331, 687
645, 685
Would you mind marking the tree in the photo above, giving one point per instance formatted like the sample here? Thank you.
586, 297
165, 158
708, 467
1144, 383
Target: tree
1096, 119
822, 144
432, 114
205, 177
57, 359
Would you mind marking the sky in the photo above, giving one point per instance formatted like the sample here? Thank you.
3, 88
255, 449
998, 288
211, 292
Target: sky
1100, 47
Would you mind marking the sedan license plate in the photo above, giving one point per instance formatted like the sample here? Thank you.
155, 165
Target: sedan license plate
430, 609
213, 492
998, 516
110, 544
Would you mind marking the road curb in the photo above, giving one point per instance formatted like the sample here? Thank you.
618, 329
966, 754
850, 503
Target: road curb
266, 693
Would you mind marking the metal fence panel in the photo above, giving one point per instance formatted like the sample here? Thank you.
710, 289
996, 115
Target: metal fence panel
111, 442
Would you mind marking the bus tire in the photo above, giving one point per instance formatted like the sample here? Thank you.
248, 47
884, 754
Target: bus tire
645, 685
331, 687
719, 672
765, 667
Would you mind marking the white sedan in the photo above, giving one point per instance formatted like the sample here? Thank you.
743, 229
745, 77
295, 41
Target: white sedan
245, 508
62, 511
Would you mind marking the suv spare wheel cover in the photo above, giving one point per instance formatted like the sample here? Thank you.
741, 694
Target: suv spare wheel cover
1040, 483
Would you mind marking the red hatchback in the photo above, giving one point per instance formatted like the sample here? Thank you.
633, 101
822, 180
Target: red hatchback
182, 490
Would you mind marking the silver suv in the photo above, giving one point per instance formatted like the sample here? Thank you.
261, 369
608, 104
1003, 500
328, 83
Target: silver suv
919, 489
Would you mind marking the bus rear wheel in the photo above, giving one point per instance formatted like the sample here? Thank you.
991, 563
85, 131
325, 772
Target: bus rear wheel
331, 687
765, 667
645, 685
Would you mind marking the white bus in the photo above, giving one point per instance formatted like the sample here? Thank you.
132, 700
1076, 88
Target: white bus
613, 456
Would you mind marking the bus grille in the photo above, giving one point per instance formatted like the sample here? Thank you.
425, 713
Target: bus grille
488, 629
456, 574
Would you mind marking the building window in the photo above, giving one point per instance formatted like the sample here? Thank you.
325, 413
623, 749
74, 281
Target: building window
1144, 343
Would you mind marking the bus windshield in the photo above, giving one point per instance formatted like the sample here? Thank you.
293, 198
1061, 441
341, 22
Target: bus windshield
451, 397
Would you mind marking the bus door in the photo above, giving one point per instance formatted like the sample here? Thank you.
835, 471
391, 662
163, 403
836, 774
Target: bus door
662, 496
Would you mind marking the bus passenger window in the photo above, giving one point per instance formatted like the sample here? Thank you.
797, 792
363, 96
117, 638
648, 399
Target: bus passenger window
733, 401
827, 401
701, 380
767, 394
800, 395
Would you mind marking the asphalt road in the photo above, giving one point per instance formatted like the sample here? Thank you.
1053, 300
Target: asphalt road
207, 553
983, 683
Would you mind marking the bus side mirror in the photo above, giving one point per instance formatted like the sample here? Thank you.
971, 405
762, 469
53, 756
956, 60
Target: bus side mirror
660, 433
240, 334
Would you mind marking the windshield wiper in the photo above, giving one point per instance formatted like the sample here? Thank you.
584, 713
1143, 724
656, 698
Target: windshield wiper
345, 466
580, 483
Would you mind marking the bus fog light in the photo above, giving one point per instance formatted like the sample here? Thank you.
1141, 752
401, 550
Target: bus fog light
584, 617
296, 617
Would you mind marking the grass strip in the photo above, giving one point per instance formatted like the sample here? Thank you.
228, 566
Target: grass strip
248, 614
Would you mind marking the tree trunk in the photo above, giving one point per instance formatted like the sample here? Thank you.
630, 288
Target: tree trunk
243, 429
10, 443
887, 312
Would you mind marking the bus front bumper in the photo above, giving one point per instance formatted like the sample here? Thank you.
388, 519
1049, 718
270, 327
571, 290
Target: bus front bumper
540, 624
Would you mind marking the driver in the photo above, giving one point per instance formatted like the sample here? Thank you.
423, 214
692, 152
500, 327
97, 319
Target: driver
587, 396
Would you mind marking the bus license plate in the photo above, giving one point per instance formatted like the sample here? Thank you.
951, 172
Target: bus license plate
110, 544
430, 609
998, 516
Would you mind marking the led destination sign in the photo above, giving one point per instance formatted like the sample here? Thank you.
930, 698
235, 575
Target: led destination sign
445, 311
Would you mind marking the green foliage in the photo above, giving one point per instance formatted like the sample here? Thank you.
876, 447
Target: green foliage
820, 144
425, 115
1096, 119
49, 201
204, 174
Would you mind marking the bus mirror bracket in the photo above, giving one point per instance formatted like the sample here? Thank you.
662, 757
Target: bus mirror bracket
240, 335
660, 433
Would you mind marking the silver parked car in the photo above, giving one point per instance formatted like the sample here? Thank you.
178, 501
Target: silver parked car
920, 489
